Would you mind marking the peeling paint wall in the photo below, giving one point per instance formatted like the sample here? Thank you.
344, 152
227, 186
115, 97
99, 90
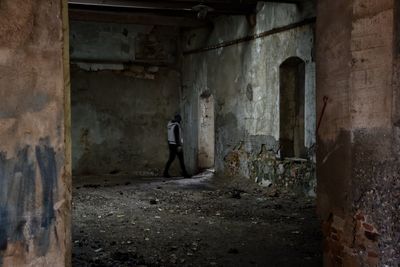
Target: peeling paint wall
34, 148
125, 89
206, 131
116, 42
358, 159
244, 81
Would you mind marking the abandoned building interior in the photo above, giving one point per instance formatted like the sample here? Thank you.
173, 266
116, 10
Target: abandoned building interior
290, 125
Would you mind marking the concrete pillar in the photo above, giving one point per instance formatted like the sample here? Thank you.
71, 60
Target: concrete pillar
358, 163
35, 192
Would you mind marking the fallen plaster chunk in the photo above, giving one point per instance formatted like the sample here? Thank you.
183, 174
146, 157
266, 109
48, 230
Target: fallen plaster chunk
98, 66
265, 183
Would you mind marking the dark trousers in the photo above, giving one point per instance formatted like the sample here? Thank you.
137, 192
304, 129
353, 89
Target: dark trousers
173, 152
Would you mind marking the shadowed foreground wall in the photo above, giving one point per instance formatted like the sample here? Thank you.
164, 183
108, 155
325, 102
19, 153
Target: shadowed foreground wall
358, 142
34, 154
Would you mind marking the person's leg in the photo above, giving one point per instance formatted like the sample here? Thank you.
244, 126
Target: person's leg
172, 155
182, 162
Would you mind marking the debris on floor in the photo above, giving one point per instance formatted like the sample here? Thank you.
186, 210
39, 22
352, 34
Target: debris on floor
201, 221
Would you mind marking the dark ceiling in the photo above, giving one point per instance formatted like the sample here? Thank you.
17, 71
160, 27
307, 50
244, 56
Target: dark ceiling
188, 13
171, 7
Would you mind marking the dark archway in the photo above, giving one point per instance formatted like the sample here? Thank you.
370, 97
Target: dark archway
291, 108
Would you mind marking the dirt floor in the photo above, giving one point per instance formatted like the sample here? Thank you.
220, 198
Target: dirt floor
191, 222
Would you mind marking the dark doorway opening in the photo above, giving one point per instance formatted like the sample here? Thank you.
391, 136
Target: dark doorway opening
292, 81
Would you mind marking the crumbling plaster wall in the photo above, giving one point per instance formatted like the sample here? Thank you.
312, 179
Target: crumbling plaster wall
206, 131
358, 144
125, 88
34, 139
244, 80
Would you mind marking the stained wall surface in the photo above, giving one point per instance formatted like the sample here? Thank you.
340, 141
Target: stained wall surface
206, 145
34, 146
125, 88
358, 163
244, 81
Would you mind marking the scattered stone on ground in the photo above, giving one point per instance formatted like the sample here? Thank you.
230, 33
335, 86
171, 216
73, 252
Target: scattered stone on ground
202, 221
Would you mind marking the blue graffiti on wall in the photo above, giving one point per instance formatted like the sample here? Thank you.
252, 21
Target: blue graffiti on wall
18, 193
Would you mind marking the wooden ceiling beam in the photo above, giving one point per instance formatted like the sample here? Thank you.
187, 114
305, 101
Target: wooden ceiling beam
135, 18
175, 7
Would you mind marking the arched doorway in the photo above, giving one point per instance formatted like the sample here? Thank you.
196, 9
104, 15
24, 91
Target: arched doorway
291, 108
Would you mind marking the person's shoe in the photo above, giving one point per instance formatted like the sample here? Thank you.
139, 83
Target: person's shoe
166, 175
186, 175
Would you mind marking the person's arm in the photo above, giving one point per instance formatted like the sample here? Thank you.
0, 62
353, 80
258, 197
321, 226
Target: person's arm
177, 136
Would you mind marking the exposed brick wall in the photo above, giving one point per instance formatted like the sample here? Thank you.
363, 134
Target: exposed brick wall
345, 238
296, 176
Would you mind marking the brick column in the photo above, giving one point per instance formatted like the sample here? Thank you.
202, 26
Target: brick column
34, 134
357, 163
